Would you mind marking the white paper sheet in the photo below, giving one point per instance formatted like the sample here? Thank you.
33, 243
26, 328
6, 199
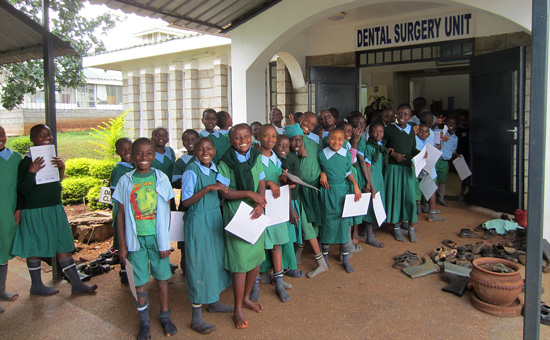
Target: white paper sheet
462, 168
379, 211
437, 137
242, 226
278, 209
176, 226
352, 208
445, 129
49, 173
131, 280
297, 180
419, 161
433, 156
428, 187
105, 195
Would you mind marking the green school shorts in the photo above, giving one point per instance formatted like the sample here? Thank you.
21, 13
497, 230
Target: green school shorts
147, 261
442, 168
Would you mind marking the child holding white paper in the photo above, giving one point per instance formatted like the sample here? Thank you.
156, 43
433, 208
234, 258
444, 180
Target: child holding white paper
44, 230
376, 158
241, 170
143, 220
425, 136
275, 235
400, 177
11, 214
448, 149
335, 162
288, 154
203, 232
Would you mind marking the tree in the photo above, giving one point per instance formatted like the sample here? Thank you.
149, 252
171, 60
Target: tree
67, 23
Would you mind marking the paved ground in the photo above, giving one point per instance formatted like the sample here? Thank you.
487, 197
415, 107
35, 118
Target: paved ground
374, 302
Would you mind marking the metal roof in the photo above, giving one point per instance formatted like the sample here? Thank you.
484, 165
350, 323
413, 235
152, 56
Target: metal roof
207, 16
21, 38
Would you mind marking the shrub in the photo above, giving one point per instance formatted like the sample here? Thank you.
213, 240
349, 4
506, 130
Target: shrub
93, 195
78, 167
107, 133
77, 187
21, 145
101, 169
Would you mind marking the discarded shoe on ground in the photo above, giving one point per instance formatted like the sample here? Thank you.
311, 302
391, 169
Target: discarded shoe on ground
457, 284
426, 268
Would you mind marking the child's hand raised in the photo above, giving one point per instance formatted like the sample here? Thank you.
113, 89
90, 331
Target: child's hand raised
37, 165
324, 180
291, 120
440, 120
275, 189
218, 186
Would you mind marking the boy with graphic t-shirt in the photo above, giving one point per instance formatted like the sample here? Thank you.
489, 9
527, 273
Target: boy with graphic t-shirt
142, 224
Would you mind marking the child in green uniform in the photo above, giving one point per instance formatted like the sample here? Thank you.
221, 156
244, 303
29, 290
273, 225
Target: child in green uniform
164, 155
336, 167
225, 122
255, 127
276, 119
275, 235
241, 170
210, 120
310, 169
376, 158
205, 250
142, 221
11, 216
44, 230
124, 150
305, 230
400, 177
189, 137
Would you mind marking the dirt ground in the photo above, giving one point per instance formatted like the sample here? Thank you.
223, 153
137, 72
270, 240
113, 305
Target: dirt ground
374, 302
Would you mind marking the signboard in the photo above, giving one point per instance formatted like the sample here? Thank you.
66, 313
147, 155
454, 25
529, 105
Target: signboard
417, 31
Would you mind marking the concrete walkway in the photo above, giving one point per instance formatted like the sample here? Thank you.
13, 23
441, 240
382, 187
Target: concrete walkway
374, 302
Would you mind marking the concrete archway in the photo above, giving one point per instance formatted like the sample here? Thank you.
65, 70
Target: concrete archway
294, 69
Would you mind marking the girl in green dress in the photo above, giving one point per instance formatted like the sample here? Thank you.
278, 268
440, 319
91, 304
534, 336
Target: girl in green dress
210, 120
44, 230
275, 235
205, 250
241, 170
9, 162
336, 166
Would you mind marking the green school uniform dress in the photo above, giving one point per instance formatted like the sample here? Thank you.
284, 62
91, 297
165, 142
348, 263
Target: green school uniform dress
337, 166
165, 161
292, 163
221, 142
375, 159
241, 256
44, 229
400, 177
9, 163
205, 275
179, 168
361, 180
311, 170
120, 169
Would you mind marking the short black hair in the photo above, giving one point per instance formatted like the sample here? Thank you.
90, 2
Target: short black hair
122, 140
237, 127
207, 111
36, 128
342, 125
142, 140
203, 139
188, 131
404, 105
375, 124
221, 118
334, 112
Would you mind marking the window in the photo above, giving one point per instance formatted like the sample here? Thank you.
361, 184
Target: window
272, 85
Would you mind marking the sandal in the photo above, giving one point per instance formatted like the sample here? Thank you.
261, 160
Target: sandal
467, 233
449, 243
489, 234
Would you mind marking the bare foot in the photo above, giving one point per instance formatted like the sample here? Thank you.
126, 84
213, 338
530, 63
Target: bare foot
239, 321
358, 239
257, 307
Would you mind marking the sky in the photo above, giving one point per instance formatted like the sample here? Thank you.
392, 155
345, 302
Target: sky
121, 35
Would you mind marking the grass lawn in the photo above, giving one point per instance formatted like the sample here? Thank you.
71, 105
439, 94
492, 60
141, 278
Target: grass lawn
74, 145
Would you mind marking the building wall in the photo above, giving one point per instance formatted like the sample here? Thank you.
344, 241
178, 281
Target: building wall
19, 121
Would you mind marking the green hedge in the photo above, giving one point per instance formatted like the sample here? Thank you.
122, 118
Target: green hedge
21, 145
78, 167
101, 169
93, 195
77, 187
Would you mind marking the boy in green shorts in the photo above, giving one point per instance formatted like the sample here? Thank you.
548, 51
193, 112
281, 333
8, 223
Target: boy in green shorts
142, 224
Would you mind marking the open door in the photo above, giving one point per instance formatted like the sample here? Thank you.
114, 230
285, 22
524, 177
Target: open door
497, 92
334, 87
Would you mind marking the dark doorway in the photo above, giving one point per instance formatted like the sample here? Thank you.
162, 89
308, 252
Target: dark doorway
497, 92
334, 87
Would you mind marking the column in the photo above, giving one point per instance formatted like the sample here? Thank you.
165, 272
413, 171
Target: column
175, 108
193, 110
220, 95
161, 96
147, 100
131, 103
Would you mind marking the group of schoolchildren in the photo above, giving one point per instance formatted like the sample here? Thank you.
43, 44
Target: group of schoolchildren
222, 168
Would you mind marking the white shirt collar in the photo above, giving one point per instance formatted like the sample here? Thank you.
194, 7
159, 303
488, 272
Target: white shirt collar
407, 129
313, 137
329, 153
205, 133
6, 153
205, 170
126, 164
273, 158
